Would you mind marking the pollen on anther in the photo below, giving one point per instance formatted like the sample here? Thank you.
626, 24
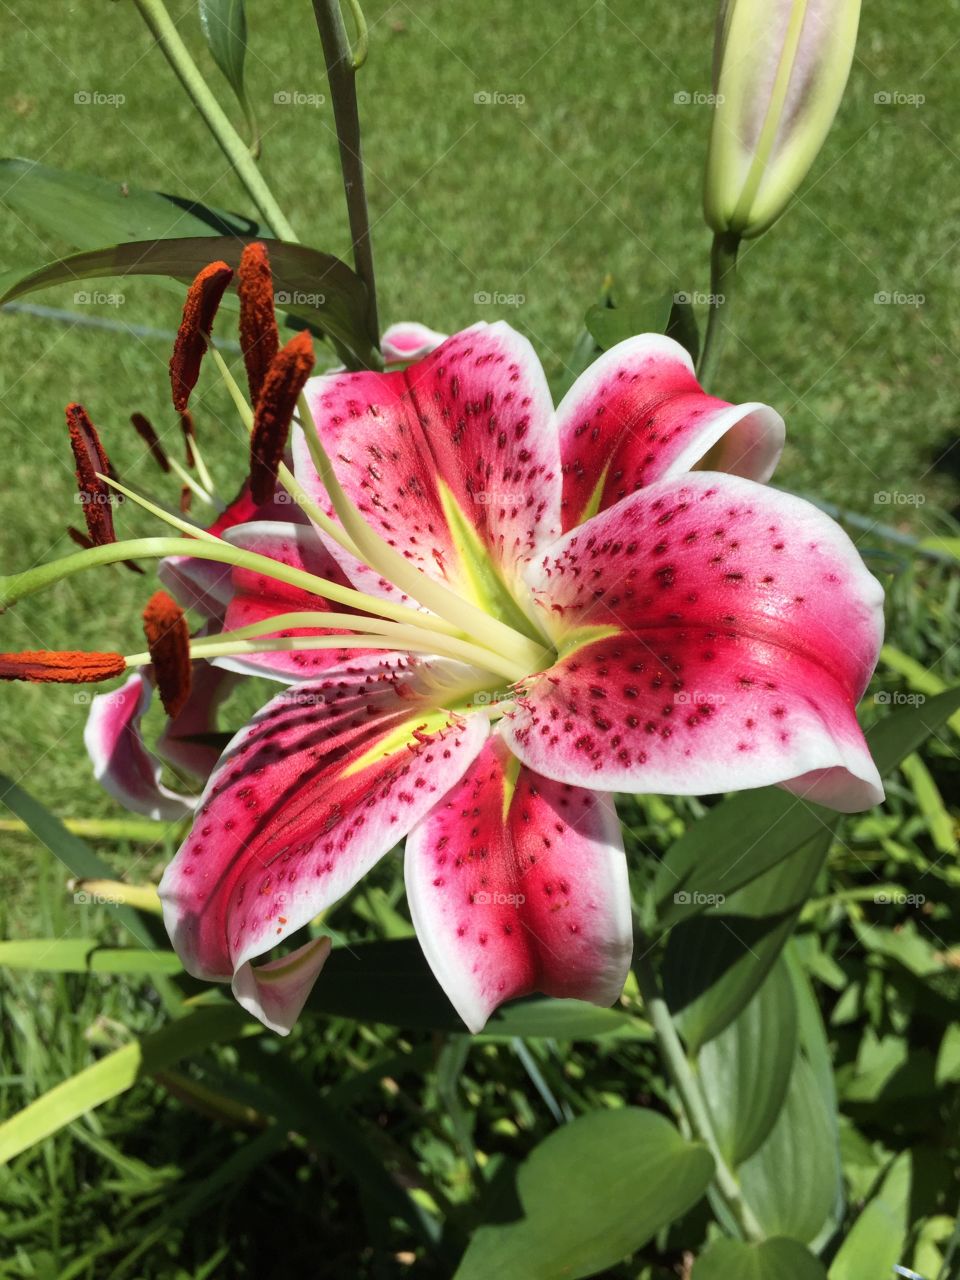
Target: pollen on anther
259, 339
168, 639
285, 379
196, 325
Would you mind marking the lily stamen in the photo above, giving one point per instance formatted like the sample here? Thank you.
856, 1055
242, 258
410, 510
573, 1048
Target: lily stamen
282, 384
168, 641
196, 325
60, 666
145, 430
92, 466
259, 339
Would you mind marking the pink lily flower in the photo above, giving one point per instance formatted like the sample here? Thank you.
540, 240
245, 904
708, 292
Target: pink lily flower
604, 615
490, 617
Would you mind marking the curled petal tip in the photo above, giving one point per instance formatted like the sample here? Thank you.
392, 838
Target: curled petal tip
277, 991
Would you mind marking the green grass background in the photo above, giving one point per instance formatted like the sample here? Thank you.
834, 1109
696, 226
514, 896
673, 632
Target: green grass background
599, 171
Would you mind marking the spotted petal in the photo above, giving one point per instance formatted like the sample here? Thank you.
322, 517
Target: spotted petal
320, 785
454, 461
638, 415
121, 762
519, 884
714, 635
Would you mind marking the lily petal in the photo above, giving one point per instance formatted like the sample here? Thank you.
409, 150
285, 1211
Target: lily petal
185, 740
276, 992
318, 787
519, 884
638, 415
454, 461
715, 635
408, 340
121, 763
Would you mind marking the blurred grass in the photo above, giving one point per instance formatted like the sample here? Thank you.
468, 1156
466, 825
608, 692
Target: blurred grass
597, 171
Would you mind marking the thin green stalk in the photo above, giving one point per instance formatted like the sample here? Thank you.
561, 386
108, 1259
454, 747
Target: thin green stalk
723, 280
19, 585
284, 474
233, 146
471, 654
357, 623
692, 1101
341, 74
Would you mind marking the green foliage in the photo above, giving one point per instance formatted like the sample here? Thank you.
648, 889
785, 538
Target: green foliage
592, 1193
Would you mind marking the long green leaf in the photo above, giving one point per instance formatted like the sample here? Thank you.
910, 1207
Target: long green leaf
874, 1244
390, 982
84, 955
86, 212
589, 1194
77, 856
314, 287
745, 1071
119, 1071
792, 1182
747, 834
713, 965
224, 27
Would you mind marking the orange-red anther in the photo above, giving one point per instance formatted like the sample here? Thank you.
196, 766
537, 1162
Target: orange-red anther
90, 458
283, 383
196, 324
60, 667
259, 339
168, 639
144, 429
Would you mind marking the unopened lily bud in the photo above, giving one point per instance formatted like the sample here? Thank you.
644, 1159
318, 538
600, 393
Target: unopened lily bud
780, 68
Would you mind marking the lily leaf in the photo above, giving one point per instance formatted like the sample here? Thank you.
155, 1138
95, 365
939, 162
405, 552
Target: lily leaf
744, 836
77, 856
312, 286
745, 1071
713, 965
592, 1192
224, 27
390, 982
84, 955
776, 1259
793, 1182
84, 211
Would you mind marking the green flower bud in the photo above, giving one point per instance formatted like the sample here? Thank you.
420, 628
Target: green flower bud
780, 67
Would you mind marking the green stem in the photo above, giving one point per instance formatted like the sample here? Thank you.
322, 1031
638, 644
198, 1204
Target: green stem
341, 73
236, 150
692, 1101
723, 280
19, 585
415, 642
